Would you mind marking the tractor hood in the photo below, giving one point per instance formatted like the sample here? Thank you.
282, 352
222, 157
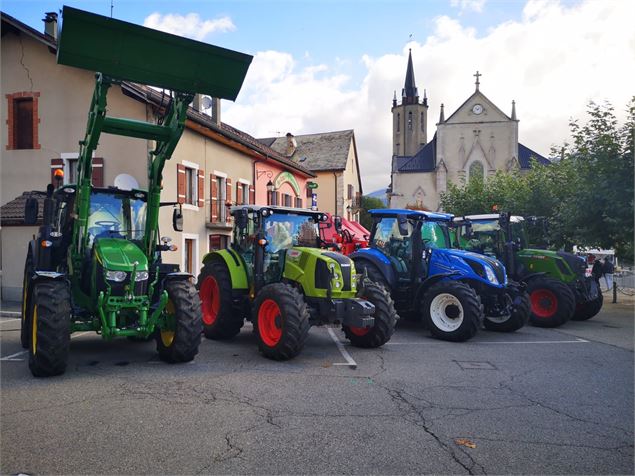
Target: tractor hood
117, 254
467, 263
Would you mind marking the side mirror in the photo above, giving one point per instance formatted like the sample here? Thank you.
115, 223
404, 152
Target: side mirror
31, 209
241, 218
337, 222
177, 219
402, 220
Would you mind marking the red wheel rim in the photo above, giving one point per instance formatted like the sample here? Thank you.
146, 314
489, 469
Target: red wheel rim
270, 323
544, 303
210, 300
359, 331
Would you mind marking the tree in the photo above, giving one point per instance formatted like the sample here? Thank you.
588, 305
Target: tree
369, 203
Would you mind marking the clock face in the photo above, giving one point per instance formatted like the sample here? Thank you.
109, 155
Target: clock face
477, 109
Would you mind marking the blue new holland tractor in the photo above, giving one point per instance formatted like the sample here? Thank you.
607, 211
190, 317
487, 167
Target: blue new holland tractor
453, 291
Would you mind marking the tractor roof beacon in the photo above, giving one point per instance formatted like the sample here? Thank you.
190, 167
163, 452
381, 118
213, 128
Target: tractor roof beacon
453, 291
96, 262
276, 275
556, 281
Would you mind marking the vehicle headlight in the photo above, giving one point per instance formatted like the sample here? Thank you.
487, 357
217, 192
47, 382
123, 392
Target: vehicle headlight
489, 272
116, 276
336, 276
141, 276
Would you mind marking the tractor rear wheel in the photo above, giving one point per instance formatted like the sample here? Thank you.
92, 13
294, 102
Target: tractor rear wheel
372, 272
385, 317
50, 326
521, 308
552, 302
179, 336
27, 292
281, 318
452, 311
220, 319
587, 310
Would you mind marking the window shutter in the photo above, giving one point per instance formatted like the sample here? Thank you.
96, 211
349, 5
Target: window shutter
56, 164
239, 193
350, 191
276, 198
98, 172
252, 195
309, 192
180, 183
298, 202
228, 198
201, 188
213, 199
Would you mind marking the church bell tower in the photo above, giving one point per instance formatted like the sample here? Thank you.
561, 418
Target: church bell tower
410, 118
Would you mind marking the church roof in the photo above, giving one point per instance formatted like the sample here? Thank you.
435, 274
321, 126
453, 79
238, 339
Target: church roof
422, 161
525, 154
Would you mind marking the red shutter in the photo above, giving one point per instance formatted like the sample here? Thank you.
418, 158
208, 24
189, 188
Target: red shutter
228, 198
201, 188
309, 192
252, 195
239, 193
298, 202
56, 164
180, 183
98, 172
277, 198
213, 198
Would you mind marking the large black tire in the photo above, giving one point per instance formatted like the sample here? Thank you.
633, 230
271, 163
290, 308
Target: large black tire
220, 319
50, 327
452, 311
281, 318
521, 308
27, 292
552, 302
385, 317
179, 341
587, 310
363, 266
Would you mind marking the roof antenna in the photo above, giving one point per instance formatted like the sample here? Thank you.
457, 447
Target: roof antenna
112, 5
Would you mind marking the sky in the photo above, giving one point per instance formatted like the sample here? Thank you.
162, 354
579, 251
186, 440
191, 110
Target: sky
332, 65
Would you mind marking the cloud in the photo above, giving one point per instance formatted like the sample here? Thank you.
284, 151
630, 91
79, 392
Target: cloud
189, 25
468, 5
552, 62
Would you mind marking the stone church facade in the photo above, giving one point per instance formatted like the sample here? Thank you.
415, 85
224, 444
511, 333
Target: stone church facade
478, 139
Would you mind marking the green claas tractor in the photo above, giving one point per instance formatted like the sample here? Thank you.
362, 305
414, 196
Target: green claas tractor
96, 264
276, 275
556, 281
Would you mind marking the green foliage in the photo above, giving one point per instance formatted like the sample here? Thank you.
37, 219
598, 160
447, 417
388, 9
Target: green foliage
586, 197
369, 203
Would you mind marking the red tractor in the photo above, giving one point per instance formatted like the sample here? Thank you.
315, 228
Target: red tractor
345, 235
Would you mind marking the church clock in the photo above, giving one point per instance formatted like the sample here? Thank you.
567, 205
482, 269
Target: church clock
477, 109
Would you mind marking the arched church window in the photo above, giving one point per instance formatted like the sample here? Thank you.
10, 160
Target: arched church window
398, 121
476, 170
410, 121
421, 122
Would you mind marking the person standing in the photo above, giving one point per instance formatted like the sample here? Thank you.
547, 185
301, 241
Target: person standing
607, 271
596, 271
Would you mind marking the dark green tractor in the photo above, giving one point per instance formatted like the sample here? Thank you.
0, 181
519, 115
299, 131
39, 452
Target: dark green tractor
275, 275
556, 281
96, 264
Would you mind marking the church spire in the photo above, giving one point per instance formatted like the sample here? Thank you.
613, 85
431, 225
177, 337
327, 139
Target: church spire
410, 88
514, 111
442, 115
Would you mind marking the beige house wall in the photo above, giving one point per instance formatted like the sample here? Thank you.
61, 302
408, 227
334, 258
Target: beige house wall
415, 189
14, 241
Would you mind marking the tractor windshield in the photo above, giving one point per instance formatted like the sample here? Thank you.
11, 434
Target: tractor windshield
484, 238
116, 216
284, 230
435, 234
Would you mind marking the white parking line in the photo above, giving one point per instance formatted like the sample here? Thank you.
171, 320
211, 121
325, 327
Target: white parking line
577, 341
12, 357
10, 313
349, 360
2, 321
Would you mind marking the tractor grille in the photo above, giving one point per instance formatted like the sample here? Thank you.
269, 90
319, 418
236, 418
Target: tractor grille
345, 268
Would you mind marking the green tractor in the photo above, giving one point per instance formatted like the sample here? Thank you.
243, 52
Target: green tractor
96, 264
276, 275
556, 281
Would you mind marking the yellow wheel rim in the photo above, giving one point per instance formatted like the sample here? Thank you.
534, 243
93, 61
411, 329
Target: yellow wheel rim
167, 336
34, 331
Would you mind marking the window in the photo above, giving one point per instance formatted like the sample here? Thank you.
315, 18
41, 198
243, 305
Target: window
220, 198
422, 123
410, 121
398, 121
188, 255
242, 193
351, 192
191, 192
218, 242
476, 170
190, 183
298, 202
287, 200
220, 194
23, 120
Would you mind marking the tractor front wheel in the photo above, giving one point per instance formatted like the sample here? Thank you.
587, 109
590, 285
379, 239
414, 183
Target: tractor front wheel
552, 302
587, 310
220, 319
385, 317
27, 292
281, 318
50, 328
518, 317
179, 334
452, 311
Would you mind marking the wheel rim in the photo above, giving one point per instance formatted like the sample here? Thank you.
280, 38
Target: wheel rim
446, 312
270, 322
167, 335
34, 331
210, 300
544, 303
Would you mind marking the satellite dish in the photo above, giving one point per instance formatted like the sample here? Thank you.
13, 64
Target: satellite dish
206, 102
126, 182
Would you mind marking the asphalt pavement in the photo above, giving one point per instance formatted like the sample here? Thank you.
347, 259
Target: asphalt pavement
538, 401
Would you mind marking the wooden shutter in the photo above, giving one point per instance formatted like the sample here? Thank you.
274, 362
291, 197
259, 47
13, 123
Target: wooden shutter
298, 202
98, 172
239, 193
180, 183
201, 188
228, 198
252, 195
350, 191
56, 164
213, 199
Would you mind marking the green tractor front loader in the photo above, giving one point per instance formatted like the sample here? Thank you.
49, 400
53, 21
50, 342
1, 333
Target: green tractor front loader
276, 275
96, 262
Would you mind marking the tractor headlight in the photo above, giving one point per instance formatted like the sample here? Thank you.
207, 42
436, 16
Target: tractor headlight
489, 272
141, 276
116, 276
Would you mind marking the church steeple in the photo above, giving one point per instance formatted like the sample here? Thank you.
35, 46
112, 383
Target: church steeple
409, 92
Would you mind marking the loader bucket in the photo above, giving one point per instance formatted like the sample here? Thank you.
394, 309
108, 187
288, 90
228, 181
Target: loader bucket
135, 53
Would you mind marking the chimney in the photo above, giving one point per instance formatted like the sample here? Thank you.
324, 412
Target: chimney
50, 25
215, 112
197, 103
292, 145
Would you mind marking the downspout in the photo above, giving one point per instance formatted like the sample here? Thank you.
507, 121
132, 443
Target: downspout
335, 175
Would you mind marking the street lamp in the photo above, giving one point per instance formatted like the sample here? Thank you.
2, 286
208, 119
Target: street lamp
269, 186
270, 195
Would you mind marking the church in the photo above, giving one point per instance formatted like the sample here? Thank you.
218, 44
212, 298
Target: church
476, 140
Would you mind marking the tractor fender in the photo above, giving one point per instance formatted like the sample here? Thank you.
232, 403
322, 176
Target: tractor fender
33, 251
47, 275
379, 260
235, 265
528, 277
429, 281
